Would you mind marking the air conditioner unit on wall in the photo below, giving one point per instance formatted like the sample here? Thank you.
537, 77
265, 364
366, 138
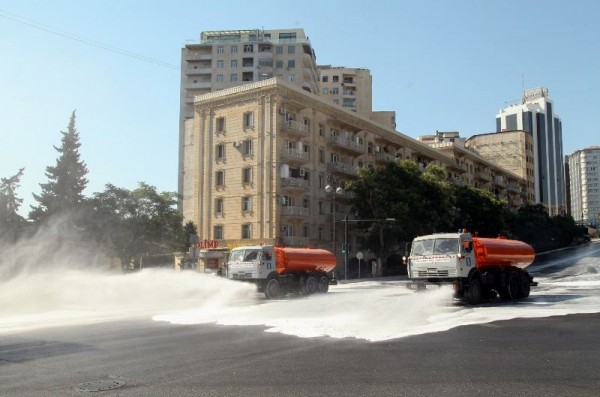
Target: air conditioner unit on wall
237, 144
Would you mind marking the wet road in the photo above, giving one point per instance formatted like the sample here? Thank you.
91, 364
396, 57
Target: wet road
553, 356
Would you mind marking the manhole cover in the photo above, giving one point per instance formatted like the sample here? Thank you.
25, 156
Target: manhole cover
100, 385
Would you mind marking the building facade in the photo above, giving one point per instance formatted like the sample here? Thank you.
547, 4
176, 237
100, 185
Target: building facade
535, 115
584, 185
510, 150
229, 58
257, 159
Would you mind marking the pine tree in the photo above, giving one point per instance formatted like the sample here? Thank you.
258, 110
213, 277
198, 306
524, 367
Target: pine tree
11, 223
66, 180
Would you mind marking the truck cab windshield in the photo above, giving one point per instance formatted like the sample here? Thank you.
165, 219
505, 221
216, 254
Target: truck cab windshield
438, 246
244, 255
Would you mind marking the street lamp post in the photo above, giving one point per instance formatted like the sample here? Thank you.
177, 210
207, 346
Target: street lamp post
338, 191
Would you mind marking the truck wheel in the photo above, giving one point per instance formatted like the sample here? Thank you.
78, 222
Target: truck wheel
323, 284
272, 289
310, 285
524, 285
511, 290
473, 292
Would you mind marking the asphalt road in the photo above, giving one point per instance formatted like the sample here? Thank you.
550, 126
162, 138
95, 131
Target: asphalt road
555, 356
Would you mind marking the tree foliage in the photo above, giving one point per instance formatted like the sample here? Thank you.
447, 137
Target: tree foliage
424, 202
66, 180
138, 222
11, 223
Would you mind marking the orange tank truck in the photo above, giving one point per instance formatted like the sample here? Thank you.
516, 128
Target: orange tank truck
479, 268
502, 252
277, 270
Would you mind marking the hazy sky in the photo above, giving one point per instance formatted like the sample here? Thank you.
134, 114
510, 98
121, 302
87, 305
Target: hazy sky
441, 65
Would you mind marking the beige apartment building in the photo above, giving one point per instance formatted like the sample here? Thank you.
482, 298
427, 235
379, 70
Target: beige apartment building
484, 157
230, 58
352, 88
257, 159
510, 150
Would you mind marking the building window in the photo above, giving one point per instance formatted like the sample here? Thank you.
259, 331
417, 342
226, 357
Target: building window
219, 78
247, 175
248, 47
219, 205
320, 208
220, 64
218, 232
247, 147
335, 91
336, 101
233, 49
325, 91
325, 79
220, 178
233, 77
292, 78
291, 63
247, 203
279, 49
220, 124
220, 49
220, 151
321, 156
305, 232
248, 119
321, 185
321, 130
246, 231
291, 49
279, 64
336, 79
233, 63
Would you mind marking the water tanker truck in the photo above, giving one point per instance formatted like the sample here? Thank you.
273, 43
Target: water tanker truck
478, 268
276, 270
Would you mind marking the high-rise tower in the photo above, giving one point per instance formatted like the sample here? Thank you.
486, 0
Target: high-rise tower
535, 115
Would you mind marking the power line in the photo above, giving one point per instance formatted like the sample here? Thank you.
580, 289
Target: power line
71, 36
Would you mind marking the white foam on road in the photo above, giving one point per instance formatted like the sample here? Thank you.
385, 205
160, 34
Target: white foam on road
369, 310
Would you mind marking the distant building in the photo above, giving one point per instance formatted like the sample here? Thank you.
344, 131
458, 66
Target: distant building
482, 170
584, 185
535, 115
510, 150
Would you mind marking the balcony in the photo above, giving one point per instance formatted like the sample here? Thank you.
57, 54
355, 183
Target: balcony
347, 144
294, 212
499, 181
514, 187
295, 128
384, 157
294, 183
292, 156
196, 71
342, 168
483, 176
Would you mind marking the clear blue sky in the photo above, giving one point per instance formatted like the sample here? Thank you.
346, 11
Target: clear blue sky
441, 65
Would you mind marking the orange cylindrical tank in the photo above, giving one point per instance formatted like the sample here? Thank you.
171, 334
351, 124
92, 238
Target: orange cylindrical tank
303, 260
502, 252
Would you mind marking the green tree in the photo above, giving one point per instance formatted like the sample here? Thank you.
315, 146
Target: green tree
133, 223
480, 211
63, 193
189, 229
11, 223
